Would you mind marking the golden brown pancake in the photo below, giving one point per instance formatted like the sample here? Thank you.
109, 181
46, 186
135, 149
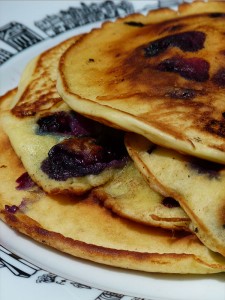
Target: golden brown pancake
41, 126
130, 196
198, 185
83, 228
160, 75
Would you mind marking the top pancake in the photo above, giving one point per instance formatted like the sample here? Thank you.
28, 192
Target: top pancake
160, 75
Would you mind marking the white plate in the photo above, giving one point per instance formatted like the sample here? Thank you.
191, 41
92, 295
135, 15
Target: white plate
121, 282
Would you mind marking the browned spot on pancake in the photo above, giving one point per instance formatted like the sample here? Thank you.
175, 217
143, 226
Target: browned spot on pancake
143, 75
11, 218
219, 77
31, 109
216, 127
181, 93
42, 231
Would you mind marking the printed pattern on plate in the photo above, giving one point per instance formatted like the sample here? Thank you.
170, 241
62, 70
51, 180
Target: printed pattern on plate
22, 268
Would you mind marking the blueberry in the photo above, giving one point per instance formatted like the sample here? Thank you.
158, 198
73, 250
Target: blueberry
189, 41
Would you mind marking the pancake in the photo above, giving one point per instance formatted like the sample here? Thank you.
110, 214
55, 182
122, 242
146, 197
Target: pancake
62, 151
198, 185
129, 196
81, 227
159, 75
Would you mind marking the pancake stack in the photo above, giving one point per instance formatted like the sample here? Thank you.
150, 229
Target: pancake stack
113, 144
